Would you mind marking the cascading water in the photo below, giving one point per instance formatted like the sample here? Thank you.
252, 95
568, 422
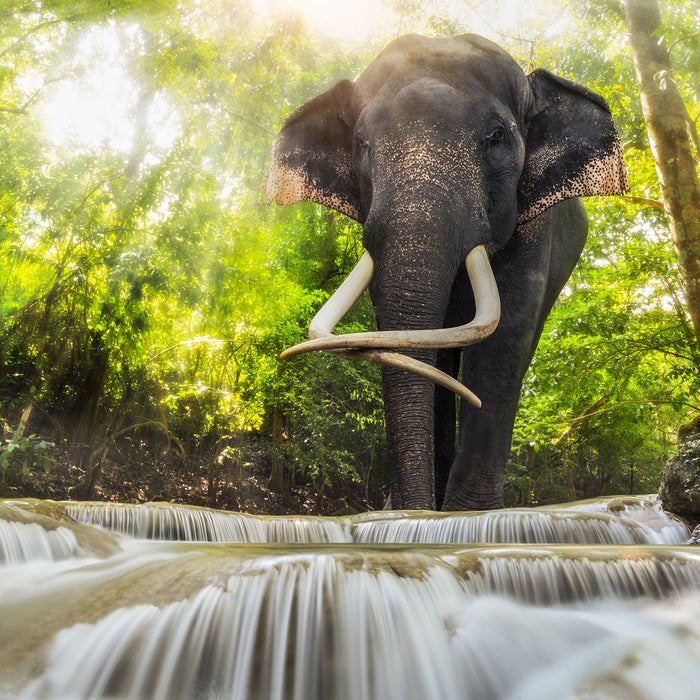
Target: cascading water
22, 543
633, 520
35, 536
596, 600
163, 521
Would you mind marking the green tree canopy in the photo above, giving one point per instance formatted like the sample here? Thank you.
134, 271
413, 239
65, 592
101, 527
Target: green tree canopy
146, 290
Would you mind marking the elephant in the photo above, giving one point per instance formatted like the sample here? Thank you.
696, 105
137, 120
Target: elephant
466, 174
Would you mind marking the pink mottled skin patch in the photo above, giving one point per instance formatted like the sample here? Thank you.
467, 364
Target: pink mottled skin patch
603, 176
287, 185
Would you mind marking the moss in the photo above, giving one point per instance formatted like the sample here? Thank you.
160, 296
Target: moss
617, 505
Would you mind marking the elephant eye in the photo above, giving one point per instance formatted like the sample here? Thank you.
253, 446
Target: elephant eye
496, 136
364, 151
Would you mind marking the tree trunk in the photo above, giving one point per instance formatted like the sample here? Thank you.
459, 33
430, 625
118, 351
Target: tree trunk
86, 407
667, 124
277, 469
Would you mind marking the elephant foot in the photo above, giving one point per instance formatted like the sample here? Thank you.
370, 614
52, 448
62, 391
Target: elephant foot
489, 499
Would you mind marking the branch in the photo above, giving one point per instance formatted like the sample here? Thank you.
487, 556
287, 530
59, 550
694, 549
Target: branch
13, 110
49, 23
680, 41
193, 341
34, 96
251, 122
655, 204
104, 448
647, 402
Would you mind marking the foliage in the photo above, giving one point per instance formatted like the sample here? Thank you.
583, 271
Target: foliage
616, 371
20, 454
140, 280
146, 292
25, 453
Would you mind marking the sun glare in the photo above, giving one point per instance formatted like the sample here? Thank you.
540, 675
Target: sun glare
338, 19
93, 112
96, 96
361, 20
95, 106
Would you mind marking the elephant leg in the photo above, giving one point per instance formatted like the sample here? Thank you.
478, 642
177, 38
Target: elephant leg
445, 423
530, 273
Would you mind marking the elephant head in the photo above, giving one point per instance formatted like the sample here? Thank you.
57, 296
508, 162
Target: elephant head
445, 151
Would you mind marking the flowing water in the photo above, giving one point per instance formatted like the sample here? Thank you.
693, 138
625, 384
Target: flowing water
595, 599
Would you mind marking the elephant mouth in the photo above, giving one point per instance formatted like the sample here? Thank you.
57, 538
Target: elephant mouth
371, 345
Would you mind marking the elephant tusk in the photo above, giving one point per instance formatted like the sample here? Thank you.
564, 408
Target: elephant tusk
486, 297
345, 296
363, 346
409, 364
488, 313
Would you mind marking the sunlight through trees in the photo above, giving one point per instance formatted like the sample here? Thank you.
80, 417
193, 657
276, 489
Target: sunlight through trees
146, 291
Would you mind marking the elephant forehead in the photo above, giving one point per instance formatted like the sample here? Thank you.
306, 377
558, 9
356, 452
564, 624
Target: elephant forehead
446, 135
468, 63
431, 104
429, 91
415, 55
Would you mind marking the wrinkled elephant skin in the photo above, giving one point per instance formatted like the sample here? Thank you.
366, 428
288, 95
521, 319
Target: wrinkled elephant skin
440, 148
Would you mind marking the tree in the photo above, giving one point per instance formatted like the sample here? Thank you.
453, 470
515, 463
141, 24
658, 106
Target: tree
139, 276
616, 369
669, 128
146, 292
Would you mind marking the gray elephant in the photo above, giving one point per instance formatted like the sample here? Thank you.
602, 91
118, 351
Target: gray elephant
464, 172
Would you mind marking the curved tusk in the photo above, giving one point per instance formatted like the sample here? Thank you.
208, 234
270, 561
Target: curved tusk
395, 359
345, 296
488, 313
485, 289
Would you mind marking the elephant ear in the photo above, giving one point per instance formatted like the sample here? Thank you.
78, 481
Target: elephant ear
572, 147
311, 160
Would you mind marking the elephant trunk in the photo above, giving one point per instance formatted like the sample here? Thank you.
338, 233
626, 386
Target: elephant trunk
410, 292
408, 412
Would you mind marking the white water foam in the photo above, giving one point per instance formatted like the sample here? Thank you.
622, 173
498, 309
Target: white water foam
315, 629
514, 526
644, 510
342, 620
643, 522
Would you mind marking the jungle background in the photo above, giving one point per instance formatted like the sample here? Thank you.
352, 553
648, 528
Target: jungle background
146, 290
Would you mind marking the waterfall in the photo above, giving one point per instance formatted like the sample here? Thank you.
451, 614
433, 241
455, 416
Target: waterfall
21, 542
363, 625
511, 526
162, 521
27, 537
594, 599
640, 522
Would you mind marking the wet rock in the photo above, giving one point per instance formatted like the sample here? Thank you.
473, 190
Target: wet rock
680, 482
688, 429
695, 536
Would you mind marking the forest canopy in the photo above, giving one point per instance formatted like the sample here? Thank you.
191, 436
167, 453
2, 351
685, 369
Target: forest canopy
146, 290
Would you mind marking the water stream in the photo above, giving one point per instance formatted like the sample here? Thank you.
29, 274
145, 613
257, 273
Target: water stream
596, 599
